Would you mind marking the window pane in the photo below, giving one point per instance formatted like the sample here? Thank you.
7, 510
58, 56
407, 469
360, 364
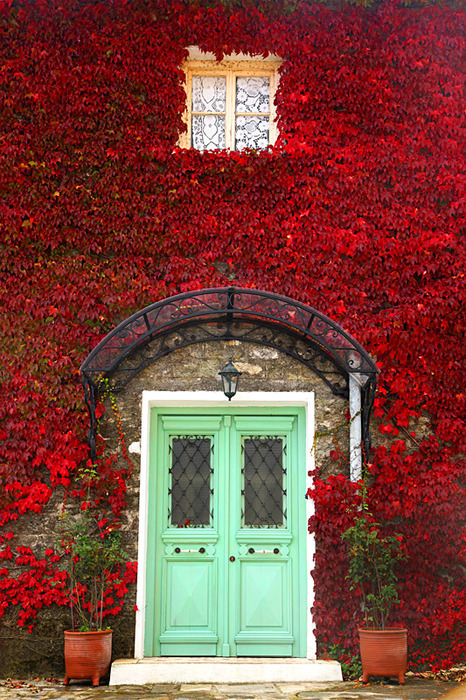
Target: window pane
190, 490
209, 93
253, 95
263, 477
208, 132
251, 132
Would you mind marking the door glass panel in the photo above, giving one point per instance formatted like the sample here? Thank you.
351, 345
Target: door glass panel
264, 487
190, 490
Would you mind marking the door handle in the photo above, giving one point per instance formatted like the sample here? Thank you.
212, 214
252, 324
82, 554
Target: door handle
251, 550
232, 558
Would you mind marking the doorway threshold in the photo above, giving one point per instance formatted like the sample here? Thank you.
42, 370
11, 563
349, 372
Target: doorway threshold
173, 669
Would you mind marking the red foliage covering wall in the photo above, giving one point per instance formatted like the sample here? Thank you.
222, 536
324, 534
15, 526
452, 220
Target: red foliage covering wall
356, 210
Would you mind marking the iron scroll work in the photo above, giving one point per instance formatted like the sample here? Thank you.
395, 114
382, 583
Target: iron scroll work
230, 313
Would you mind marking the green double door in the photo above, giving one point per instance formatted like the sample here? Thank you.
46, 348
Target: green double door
226, 555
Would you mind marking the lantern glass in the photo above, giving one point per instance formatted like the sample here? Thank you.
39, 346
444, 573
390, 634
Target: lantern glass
230, 377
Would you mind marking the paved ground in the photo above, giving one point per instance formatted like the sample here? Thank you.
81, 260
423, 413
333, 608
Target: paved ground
415, 689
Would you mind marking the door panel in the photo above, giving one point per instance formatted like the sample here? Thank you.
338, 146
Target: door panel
226, 563
189, 616
183, 535
264, 449
265, 606
265, 594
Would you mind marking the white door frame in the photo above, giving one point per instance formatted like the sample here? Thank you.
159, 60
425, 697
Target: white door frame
216, 399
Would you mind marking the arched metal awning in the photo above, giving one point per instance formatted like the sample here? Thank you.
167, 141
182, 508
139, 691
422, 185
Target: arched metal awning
230, 313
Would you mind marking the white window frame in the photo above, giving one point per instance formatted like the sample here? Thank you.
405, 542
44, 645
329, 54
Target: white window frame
232, 66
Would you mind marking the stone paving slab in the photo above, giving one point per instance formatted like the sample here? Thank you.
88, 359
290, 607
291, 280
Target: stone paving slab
415, 689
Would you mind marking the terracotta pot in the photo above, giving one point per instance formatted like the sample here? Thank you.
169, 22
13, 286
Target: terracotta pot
383, 653
87, 655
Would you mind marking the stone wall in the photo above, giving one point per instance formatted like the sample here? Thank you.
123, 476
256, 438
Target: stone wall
39, 653
195, 368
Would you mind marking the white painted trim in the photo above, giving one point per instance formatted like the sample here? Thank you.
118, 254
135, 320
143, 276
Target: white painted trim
355, 431
216, 399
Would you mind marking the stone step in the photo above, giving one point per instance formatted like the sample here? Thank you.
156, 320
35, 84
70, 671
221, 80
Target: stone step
171, 669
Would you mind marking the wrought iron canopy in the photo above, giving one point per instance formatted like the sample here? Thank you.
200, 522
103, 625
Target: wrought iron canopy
229, 313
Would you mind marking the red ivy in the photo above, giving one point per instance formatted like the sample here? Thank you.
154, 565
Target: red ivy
357, 210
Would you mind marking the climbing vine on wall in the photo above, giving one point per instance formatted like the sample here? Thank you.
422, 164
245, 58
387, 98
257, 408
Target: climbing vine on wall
356, 210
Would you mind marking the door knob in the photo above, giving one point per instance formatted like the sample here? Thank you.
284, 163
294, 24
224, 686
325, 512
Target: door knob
232, 559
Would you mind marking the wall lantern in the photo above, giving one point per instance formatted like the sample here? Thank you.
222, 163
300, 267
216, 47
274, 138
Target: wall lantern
230, 377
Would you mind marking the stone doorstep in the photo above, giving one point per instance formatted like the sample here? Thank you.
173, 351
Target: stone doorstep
171, 669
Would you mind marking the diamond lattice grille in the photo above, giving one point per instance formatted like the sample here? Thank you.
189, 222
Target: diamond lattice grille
264, 488
191, 491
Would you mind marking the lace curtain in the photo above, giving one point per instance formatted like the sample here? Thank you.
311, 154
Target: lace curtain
209, 112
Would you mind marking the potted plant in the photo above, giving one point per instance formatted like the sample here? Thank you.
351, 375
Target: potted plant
373, 559
93, 556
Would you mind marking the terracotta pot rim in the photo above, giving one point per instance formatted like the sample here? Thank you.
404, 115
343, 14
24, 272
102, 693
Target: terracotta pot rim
88, 632
369, 630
